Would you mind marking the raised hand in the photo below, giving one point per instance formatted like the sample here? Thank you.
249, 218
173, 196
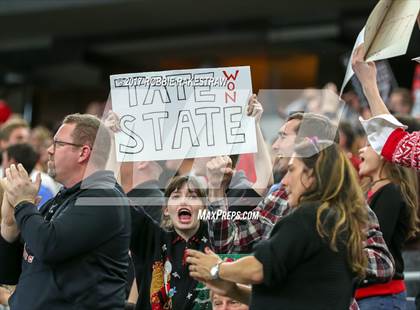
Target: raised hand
201, 263
219, 172
365, 71
112, 121
19, 187
254, 108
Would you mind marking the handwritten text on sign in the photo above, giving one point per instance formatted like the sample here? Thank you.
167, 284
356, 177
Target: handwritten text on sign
183, 113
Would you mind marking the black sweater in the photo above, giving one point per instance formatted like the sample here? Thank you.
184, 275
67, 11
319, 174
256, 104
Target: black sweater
392, 213
300, 270
159, 258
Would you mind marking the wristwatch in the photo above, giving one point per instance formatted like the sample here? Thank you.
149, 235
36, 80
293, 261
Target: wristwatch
214, 271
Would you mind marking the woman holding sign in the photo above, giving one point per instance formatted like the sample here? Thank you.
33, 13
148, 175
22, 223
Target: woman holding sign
159, 250
392, 195
314, 256
385, 133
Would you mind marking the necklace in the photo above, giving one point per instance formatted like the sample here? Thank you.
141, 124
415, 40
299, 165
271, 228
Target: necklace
377, 181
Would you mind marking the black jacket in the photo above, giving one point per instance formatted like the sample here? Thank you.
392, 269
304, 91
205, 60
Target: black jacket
149, 196
76, 248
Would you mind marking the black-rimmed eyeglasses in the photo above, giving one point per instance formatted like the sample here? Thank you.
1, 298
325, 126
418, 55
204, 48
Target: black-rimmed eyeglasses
62, 143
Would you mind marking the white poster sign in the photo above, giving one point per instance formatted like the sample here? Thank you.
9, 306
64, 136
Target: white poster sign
183, 113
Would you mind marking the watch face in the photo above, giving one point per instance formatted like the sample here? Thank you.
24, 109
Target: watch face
213, 271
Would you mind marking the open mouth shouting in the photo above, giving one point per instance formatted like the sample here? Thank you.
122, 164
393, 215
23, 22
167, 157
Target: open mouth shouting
184, 215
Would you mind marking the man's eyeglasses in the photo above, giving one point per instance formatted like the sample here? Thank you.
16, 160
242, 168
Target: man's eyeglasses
62, 143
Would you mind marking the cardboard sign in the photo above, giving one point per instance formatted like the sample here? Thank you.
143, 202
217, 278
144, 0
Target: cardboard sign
387, 32
389, 28
183, 113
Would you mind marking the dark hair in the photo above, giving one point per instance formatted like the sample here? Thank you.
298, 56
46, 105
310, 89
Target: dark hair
343, 208
234, 158
24, 154
406, 179
411, 122
407, 98
175, 184
348, 131
312, 124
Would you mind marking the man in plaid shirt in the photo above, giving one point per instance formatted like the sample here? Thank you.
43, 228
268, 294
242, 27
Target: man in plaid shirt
239, 236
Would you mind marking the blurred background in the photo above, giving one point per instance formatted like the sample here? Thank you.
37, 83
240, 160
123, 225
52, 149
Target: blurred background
56, 56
